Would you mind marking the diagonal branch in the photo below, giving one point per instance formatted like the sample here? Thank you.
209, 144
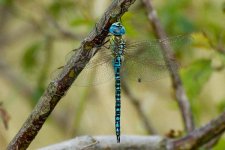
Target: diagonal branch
181, 96
57, 88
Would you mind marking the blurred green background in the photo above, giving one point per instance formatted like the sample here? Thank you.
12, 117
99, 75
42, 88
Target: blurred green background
36, 36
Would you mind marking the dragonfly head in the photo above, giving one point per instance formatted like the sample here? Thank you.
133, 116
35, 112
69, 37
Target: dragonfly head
117, 29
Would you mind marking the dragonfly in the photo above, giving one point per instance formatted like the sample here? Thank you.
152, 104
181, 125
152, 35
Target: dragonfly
138, 61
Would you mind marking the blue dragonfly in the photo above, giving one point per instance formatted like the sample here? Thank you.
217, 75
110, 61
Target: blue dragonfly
139, 61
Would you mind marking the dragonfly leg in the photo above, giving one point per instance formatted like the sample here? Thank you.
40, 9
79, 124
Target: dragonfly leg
118, 139
103, 44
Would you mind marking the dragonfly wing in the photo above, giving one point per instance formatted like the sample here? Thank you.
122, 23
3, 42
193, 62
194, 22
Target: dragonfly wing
95, 74
97, 71
152, 50
144, 60
144, 71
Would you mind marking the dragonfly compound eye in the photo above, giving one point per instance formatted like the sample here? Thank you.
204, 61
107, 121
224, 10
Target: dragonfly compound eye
117, 29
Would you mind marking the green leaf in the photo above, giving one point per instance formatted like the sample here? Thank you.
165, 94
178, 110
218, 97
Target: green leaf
29, 59
195, 76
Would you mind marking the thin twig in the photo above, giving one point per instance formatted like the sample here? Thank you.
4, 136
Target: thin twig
4, 116
58, 87
181, 96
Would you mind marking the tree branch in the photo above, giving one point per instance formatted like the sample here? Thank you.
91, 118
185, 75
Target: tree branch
109, 142
181, 96
57, 88
193, 140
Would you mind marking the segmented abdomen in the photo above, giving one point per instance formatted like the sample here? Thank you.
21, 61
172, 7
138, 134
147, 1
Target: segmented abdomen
117, 66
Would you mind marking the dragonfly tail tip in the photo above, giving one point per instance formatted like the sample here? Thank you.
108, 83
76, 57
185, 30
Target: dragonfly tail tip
118, 139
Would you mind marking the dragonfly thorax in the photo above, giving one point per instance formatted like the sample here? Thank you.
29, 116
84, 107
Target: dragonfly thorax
117, 45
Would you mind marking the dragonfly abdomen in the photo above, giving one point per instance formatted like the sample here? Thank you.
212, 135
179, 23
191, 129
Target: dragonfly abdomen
117, 66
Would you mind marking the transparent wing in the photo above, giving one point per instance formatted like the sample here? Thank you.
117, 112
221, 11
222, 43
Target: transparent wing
102, 56
143, 71
95, 75
98, 70
144, 61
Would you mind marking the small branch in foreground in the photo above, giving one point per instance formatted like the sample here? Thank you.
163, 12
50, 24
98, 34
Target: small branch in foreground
193, 140
109, 142
181, 96
58, 87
